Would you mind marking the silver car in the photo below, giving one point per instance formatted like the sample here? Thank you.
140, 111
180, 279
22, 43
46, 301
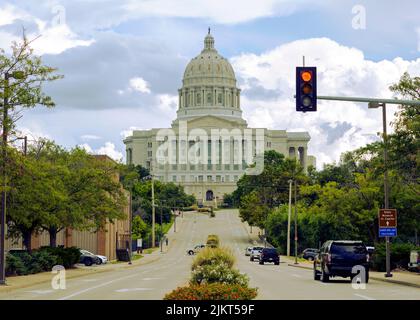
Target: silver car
255, 253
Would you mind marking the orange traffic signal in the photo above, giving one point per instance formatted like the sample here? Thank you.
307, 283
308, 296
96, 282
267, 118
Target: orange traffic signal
306, 76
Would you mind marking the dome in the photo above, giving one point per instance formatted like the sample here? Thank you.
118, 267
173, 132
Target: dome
209, 86
209, 67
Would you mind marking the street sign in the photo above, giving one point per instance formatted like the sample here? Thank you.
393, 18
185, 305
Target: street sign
387, 218
387, 222
387, 232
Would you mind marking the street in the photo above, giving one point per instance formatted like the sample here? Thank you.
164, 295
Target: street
172, 269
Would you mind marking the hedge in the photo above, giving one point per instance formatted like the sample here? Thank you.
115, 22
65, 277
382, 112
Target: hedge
213, 291
43, 259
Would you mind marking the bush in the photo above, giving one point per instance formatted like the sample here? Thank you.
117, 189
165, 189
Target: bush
15, 264
213, 291
23, 263
220, 273
212, 256
66, 257
213, 241
400, 255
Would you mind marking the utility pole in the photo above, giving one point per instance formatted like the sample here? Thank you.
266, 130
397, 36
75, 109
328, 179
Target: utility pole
296, 234
386, 188
153, 209
3, 174
289, 217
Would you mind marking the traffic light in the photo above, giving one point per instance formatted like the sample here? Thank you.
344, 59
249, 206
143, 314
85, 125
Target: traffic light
305, 89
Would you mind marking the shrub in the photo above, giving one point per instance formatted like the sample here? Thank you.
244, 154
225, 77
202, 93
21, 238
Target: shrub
210, 256
66, 257
220, 273
213, 241
15, 264
400, 255
213, 291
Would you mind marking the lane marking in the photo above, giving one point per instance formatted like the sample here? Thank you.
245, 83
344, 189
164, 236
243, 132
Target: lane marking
296, 275
134, 289
148, 279
364, 297
40, 291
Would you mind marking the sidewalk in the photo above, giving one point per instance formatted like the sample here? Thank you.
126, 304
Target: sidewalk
405, 278
18, 282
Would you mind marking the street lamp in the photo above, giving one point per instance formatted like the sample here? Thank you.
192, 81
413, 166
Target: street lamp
374, 105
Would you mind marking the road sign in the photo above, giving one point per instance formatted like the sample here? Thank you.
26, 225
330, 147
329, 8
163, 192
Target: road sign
387, 218
387, 232
387, 222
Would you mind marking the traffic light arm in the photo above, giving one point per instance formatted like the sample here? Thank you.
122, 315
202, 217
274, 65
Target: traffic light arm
374, 100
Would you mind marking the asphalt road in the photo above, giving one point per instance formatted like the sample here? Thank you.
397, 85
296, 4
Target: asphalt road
172, 269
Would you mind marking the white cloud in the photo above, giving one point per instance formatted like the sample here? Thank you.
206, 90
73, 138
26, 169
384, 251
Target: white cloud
139, 84
90, 137
220, 11
107, 149
167, 103
341, 71
129, 132
52, 37
56, 39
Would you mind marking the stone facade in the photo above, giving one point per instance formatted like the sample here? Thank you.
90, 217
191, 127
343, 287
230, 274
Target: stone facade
209, 118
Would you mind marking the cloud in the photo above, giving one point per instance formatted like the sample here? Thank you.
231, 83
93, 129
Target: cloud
107, 149
90, 137
53, 35
342, 71
139, 84
129, 132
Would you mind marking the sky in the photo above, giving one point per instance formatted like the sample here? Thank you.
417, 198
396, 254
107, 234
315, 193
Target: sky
123, 63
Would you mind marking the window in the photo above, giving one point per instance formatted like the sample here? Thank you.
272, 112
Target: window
173, 178
208, 97
200, 178
209, 178
149, 145
198, 98
149, 154
219, 99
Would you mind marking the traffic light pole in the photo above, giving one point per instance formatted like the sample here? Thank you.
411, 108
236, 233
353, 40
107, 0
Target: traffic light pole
376, 103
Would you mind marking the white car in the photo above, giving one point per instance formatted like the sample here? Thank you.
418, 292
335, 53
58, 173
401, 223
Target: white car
255, 253
102, 259
248, 251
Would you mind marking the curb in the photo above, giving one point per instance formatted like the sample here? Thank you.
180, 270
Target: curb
403, 283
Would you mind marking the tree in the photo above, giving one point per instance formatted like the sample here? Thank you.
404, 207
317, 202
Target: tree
252, 210
140, 228
56, 189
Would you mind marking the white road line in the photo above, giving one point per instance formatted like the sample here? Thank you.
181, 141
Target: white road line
296, 275
364, 297
133, 289
40, 291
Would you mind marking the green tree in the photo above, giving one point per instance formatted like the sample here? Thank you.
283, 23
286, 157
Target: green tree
140, 228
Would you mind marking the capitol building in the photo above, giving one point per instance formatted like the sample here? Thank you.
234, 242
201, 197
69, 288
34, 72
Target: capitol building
209, 146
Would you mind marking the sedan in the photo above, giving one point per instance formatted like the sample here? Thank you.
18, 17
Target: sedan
100, 259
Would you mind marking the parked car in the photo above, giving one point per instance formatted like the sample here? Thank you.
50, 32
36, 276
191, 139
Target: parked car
248, 251
196, 249
87, 258
255, 253
102, 259
338, 257
309, 253
414, 264
269, 255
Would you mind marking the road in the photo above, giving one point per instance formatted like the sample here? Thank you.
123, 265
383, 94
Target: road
172, 269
